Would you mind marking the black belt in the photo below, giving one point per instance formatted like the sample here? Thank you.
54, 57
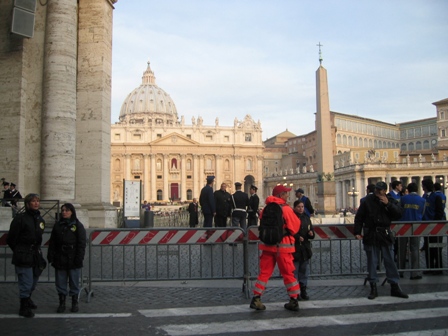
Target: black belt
67, 247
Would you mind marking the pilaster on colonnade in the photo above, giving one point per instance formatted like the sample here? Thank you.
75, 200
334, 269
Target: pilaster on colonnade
127, 160
196, 187
146, 177
153, 188
183, 177
165, 173
218, 159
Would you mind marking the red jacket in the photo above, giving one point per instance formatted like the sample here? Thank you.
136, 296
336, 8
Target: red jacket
292, 224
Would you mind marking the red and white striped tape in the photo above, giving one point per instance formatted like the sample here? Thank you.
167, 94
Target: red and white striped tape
344, 231
166, 236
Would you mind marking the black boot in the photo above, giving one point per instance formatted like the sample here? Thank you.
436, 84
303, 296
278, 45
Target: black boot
373, 291
395, 290
61, 307
75, 307
303, 293
293, 304
31, 303
25, 309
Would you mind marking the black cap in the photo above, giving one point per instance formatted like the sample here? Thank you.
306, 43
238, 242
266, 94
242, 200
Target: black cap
253, 187
13, 185
300, 190
6, 183
238, 184
381, 185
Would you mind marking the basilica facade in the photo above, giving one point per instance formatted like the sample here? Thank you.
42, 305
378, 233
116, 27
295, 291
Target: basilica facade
173, 157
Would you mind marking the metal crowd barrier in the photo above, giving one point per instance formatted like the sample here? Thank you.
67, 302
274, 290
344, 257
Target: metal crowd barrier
122, 255
130, 255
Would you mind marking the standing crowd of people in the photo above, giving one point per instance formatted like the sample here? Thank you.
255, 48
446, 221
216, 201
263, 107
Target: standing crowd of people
285, 237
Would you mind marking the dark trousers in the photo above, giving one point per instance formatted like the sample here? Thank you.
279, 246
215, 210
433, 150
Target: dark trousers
433, 255
220, 221
208, 220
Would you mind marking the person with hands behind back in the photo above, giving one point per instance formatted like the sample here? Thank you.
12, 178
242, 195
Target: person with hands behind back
66, 254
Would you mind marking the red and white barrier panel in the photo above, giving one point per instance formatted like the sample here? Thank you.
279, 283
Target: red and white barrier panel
4, 236
344, 231
166, 237
321, 232
420, 229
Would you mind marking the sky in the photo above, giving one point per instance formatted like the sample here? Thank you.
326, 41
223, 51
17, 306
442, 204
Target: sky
386, 60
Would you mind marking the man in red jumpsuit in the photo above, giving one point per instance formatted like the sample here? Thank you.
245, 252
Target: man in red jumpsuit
280, 254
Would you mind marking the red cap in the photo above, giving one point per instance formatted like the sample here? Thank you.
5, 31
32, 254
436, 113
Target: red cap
279, 189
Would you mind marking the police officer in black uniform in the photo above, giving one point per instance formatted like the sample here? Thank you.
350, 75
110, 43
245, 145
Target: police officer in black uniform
240, 202
254, 202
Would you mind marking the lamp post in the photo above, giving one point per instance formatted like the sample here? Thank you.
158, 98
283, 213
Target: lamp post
353, 193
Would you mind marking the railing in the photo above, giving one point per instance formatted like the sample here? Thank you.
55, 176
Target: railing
175, 253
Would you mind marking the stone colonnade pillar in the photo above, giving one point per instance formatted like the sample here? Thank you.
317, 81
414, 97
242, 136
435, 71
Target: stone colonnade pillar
59, 101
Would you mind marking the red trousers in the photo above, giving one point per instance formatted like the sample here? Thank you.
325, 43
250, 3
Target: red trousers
286, 267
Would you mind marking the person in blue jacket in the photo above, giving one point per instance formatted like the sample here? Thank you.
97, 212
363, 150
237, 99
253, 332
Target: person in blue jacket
434, 211
413, 208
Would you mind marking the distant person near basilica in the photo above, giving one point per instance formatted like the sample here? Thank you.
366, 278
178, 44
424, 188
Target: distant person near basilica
309, 210
372, 225
207, 202
240, 202
254, 203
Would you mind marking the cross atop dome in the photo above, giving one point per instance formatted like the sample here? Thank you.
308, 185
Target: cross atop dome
148, 76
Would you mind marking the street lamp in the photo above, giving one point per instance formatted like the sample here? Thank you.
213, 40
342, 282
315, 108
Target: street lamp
353, 193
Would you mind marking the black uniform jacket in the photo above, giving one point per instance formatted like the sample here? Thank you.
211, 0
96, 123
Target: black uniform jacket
374, 216
25, 237
67, 245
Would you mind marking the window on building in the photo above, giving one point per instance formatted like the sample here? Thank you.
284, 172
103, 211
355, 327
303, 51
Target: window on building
159, 136
159, 177
188, 164
159, 164
226, 165
188, 177
226, 138
404, 147
209, 137
426, 144
189, 136
411, 146
136, 136
117, 136
442, 133
189, 194
159, 195
418, 145
174, 163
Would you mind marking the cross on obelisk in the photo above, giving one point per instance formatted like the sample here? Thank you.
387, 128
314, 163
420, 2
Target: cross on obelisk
320, 53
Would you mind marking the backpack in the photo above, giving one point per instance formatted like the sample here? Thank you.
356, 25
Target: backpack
271, 224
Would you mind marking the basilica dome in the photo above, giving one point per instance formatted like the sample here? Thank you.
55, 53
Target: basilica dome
148, 98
